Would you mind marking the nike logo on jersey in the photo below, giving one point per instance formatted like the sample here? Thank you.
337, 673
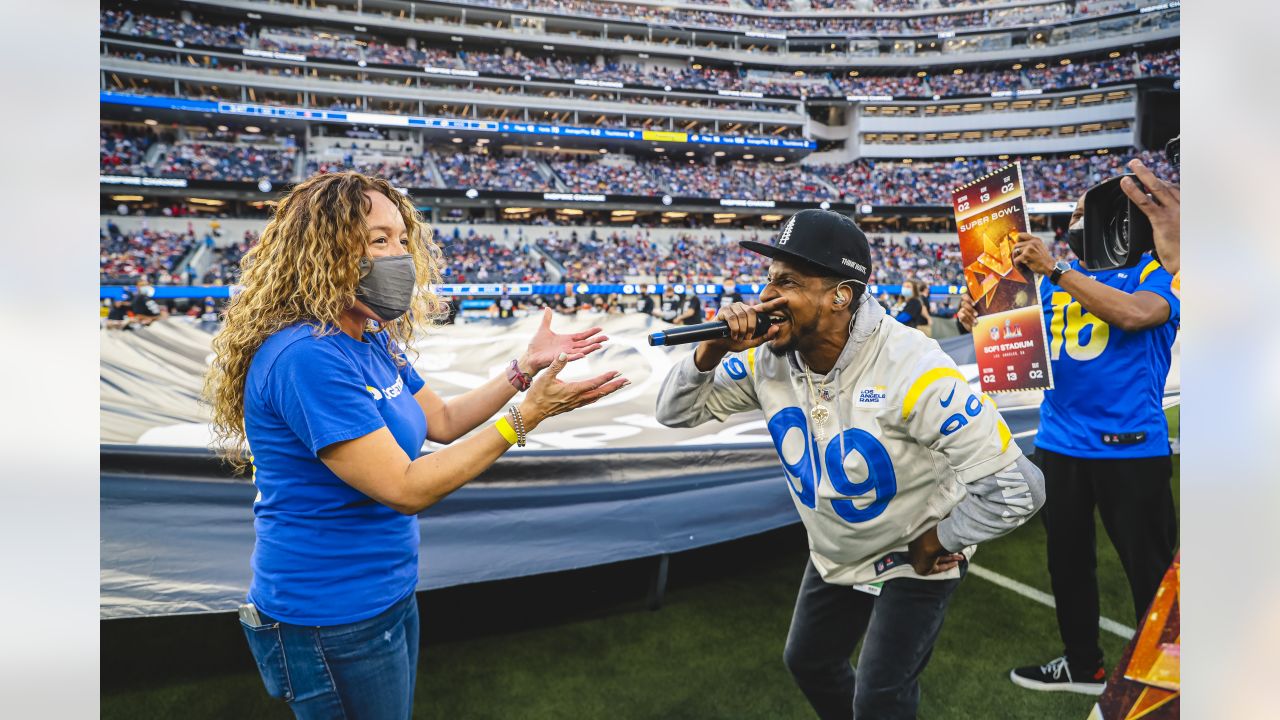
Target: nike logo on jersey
947, 401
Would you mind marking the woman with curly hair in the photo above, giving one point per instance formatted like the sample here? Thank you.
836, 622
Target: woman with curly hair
310, 376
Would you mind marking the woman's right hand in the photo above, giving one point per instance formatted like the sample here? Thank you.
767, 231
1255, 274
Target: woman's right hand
548, 396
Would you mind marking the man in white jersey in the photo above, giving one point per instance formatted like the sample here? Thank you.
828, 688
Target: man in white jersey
897, 468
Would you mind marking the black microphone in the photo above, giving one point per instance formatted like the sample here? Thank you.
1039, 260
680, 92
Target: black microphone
707, 331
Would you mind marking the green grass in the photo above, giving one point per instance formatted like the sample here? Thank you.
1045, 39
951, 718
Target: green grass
582, 644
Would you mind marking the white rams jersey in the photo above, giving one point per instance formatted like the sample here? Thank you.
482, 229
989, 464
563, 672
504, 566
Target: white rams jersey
905, 433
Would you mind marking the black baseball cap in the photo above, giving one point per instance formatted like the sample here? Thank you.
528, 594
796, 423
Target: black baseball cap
824, 238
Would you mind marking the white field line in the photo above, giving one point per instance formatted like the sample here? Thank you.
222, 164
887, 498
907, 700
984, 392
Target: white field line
1043, 598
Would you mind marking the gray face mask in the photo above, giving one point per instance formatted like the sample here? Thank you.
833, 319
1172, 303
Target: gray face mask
386, 285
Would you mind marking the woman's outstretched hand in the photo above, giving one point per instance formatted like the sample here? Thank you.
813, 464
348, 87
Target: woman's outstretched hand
550, 396
547, 345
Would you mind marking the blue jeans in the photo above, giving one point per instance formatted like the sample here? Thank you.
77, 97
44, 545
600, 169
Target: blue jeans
359, 670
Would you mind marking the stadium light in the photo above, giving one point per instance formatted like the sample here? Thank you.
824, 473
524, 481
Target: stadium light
127, 198
658, 149
771, 218
150, 122
688, 153
604, 151
1064, 61
516, 210
252, 129
725, 216
748, 156
622, 212
1017, 66
719, 153
207, 201
222, 128
569, 211
853, 73
456, 140
779, 159
1114, 54
674, 215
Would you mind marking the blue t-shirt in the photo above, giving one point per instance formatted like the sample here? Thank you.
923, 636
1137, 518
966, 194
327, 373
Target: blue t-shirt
327, 554
1108, 383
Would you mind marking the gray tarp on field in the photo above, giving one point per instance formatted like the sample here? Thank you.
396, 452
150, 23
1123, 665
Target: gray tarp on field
601, 485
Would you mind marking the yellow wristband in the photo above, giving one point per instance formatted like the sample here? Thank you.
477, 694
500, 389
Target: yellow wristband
504, 427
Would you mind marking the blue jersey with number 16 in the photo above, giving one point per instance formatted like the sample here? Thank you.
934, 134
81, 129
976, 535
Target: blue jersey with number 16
1108, 383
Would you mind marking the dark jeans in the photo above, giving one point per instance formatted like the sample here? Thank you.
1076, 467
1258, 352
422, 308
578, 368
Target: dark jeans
362, 670
900, 625
1134, 497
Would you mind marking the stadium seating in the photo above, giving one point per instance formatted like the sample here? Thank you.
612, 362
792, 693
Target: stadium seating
698, 77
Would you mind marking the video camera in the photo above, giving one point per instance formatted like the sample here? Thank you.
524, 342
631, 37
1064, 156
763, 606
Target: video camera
1115, 232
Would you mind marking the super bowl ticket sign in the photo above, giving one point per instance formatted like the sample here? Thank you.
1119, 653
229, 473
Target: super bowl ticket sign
1009, 337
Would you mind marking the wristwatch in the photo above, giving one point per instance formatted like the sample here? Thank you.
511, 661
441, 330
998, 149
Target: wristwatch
1059, 268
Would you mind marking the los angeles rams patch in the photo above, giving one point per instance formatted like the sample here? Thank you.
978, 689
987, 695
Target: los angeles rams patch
871, 396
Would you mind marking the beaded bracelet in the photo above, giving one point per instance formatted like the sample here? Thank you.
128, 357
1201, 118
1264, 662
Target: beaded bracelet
518, 421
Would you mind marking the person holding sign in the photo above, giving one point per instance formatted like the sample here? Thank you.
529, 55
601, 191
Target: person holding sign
897, 468
1103, 440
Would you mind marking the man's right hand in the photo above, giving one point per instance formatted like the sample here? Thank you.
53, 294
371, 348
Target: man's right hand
967, 315
1163, 208
742, 319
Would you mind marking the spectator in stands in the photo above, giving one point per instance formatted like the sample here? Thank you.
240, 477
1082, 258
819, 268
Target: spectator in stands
728, 294
690, 309
145, 309
118, 313
1103, 444
647, 305
670, 304
915, 313
310, 370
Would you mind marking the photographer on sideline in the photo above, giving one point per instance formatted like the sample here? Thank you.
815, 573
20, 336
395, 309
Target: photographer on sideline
1103, 441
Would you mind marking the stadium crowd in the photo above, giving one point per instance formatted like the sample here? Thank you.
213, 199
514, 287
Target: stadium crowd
218, 161
799, 24
145, 254
590, 176
480, 258
587, 254
697, 77
122, 148
930, 183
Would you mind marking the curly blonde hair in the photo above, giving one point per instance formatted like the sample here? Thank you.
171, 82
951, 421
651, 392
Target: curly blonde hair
304, 268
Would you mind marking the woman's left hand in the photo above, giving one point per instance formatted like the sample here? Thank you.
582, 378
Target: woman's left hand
546, 345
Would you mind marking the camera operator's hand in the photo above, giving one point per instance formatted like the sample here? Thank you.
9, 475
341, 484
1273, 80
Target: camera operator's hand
1030, 251
741, 319
967, 315
1163, 208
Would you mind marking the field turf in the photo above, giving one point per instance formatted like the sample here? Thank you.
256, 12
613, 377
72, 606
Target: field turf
583, 644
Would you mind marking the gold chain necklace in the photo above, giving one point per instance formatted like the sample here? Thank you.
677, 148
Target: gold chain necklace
818, 413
